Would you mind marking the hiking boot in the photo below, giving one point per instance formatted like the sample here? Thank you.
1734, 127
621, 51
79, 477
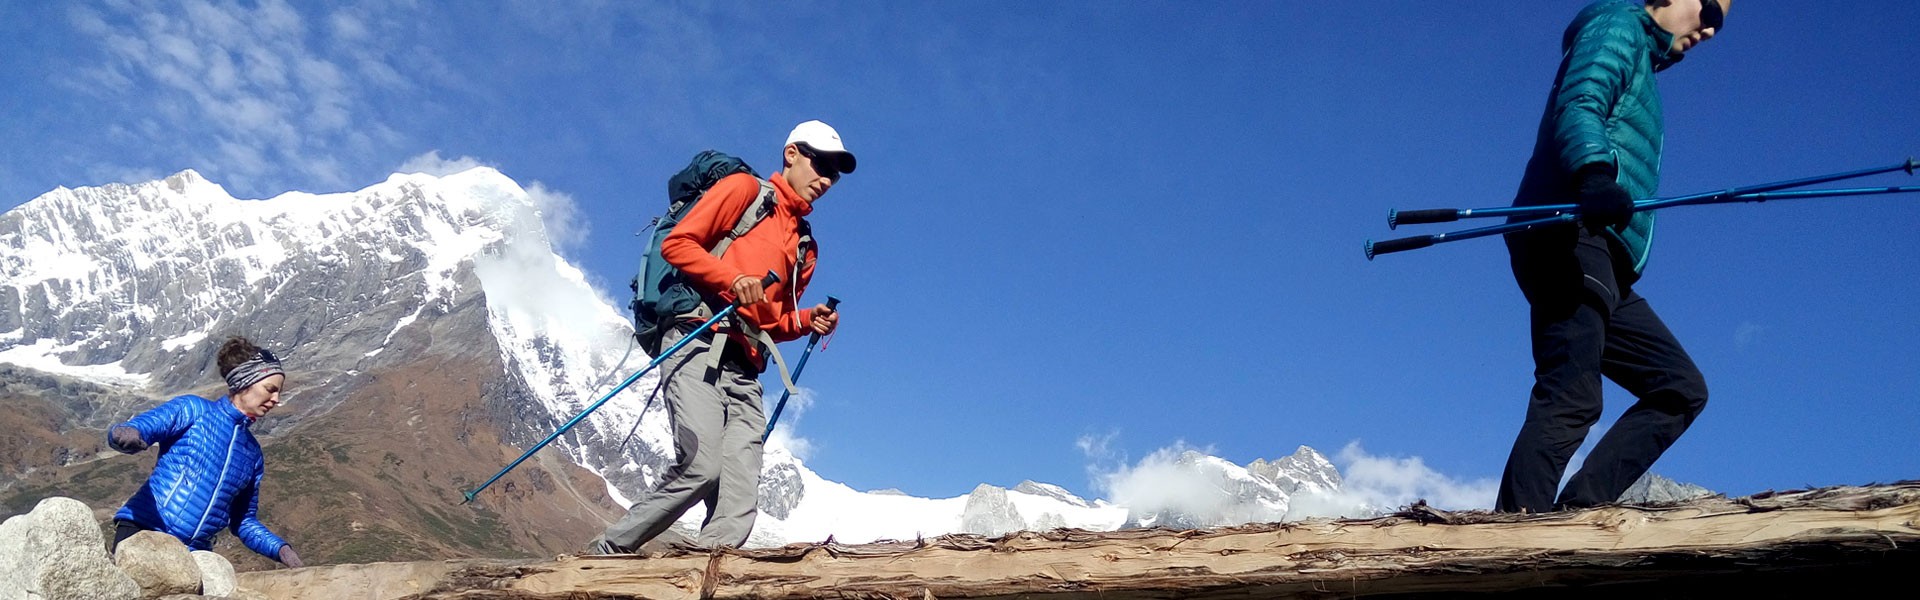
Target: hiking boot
601, 546
670, 541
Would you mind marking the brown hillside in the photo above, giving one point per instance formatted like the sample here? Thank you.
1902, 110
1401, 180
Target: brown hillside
377, 479
1850, 540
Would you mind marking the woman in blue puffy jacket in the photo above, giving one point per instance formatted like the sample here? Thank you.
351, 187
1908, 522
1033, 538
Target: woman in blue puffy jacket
208, 475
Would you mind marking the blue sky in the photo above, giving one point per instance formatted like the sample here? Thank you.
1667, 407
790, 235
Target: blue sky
1084, 232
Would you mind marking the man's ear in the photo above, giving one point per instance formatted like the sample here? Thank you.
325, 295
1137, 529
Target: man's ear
787, 155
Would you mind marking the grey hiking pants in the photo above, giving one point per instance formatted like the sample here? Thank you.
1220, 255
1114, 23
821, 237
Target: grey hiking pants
717, 426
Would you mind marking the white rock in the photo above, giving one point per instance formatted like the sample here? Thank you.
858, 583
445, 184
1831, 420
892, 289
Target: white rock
216, 574
70, 556
95, 579
18, 572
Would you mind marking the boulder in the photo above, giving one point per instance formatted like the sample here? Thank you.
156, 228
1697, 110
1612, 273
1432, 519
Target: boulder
216, 574
94, 579
159, 563
17, 572
69, 555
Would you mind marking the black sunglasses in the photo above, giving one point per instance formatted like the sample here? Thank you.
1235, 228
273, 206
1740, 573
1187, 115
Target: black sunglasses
1711, 15
822, 164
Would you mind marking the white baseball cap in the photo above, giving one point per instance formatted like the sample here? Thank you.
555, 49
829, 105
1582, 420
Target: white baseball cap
821, 137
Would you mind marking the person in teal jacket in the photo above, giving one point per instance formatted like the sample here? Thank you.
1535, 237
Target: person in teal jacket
1599, 146
210, 467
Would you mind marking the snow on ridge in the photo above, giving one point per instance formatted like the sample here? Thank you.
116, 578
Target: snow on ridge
83, 256
834, 509
41, 354
90, 251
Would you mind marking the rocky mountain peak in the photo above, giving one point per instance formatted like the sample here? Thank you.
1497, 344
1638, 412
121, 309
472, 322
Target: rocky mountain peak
1049, 490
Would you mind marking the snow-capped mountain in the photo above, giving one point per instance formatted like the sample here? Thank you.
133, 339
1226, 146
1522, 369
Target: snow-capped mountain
135, 285
131, 287
1653, 488
1196, 490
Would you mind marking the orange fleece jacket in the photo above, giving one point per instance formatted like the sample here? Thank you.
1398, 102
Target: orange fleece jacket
770, 245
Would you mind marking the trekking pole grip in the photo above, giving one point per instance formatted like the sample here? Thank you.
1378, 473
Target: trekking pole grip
1396, 218
1398, 245
833, 304
770, 279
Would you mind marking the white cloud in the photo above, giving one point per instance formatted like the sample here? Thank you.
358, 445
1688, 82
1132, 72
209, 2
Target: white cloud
559, 213
1101, 456
431, 163
562, 218
1160, 482
1209, 490
1374, 483
251, 93
1747, 334
783, 433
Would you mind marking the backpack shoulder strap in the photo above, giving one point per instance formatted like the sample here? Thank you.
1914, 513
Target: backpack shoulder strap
755, 212
762, 206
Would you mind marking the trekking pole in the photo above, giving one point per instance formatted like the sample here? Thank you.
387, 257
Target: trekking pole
1396, 218
1567, 213
770, 279
1421, 241
832, 303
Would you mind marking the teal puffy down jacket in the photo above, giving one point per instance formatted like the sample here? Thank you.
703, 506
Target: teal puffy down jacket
1604, 107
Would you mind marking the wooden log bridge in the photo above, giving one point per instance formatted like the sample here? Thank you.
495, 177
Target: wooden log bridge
1825, 541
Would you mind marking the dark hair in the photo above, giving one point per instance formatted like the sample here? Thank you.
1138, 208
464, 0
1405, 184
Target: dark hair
235, 351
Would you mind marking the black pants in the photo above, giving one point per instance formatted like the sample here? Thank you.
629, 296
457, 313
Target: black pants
121, 531
1588, 322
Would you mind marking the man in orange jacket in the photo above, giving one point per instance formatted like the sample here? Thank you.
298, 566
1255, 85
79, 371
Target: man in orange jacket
712, 384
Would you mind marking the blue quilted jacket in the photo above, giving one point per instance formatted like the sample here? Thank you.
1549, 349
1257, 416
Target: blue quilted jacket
208, 476
1604, 107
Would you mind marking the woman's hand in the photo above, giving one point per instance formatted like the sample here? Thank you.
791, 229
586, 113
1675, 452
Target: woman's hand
126, 439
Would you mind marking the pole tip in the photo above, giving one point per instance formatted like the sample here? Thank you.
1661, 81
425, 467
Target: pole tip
1393, 218
1369, 249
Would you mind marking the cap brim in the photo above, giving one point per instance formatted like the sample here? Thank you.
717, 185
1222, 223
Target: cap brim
845, 160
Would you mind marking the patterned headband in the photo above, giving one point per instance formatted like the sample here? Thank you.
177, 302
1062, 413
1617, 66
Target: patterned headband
253, 371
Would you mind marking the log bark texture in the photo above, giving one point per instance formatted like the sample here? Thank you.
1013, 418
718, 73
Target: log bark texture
1822, 540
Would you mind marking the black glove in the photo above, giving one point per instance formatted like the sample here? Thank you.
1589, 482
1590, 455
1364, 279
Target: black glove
1603, 203
126, 439
289, 558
